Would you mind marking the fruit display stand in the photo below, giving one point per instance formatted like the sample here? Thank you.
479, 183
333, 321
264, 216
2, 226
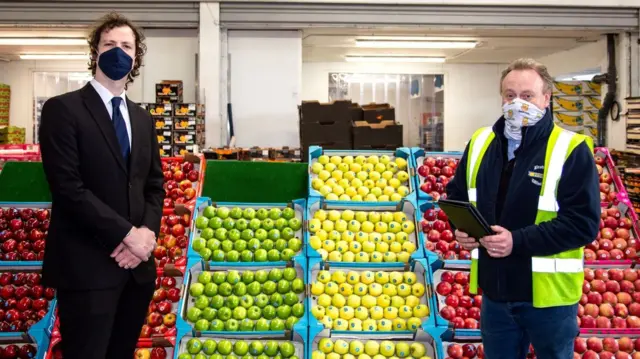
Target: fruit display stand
182, 179
612, 188
433, 170
371, 176
437, 235
610, 302
23, 182
157, 348
247, 232
23, 232
245, 298
456, 308
458, 345
162, 315
605, 346
289, 345
618, 240
173, 239
423, 344
394, 299
372, 233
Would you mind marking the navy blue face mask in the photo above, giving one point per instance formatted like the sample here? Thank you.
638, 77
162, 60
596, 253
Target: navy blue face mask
115, 63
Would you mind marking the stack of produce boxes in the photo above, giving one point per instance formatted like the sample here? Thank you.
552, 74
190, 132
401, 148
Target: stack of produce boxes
576, 105
370, 287
609, 311
27, 305
5, 101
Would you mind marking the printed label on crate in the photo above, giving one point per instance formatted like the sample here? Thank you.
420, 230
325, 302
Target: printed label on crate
181, 150
184, 138
578, 118
164, 137
186, 123
163, 110
576, 103
164, 123
576, 88
185, 109
168, 89
165, 150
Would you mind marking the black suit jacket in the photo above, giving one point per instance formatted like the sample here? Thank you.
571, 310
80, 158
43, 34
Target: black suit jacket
97, 197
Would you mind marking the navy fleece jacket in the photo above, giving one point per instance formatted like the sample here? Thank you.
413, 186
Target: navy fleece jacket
577, 224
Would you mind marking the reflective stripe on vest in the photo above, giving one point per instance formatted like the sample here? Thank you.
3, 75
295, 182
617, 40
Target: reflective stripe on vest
557, 279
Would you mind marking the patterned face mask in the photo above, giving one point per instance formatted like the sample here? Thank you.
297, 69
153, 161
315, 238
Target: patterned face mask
519, 113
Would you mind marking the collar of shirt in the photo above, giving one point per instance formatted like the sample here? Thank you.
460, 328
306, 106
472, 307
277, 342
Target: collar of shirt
106, 95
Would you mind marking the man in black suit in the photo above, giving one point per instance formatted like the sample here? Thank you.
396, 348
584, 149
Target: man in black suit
101, 159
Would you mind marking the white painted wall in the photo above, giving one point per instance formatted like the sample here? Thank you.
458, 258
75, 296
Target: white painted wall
3, 69
589, 56
471, 96
170, 56
265, 78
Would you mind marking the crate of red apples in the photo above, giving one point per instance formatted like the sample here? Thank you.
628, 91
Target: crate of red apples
23, 231
612, 189
437, 234
157, 348
456, 307
603, 346
182, 179
618, 240
467, 347
173, 240
434, 171
162, 313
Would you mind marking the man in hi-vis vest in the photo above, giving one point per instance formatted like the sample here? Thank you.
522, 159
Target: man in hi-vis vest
539, 185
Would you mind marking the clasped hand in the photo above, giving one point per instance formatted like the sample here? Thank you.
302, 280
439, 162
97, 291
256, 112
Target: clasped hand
135, 248
498, 245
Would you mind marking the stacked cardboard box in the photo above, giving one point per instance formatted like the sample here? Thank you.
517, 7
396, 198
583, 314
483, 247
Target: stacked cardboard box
377, 129
633, 124
12, 135
5, 101
575, 106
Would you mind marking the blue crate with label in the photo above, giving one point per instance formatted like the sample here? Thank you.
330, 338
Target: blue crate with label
357, 176
373, 233
23, 232
245, 298
247, 232
433, 172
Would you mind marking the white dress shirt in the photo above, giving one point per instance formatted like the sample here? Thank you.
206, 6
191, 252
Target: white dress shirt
106, 97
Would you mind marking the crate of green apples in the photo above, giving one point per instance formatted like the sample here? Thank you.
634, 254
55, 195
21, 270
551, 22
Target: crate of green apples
248, 346
370, 176
245, 298
355, 298
419, 345
364, 233
232, 232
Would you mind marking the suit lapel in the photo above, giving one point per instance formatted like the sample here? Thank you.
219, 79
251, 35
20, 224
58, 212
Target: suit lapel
137, 133
98, 111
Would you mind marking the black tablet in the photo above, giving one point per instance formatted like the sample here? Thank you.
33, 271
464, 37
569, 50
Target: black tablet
466, 218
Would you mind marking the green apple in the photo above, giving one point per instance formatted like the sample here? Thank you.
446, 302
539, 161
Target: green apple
194, 345
196, 289
269, 287
297, 286
256, 348
219, 277
240, 245
216, 325
262, 325
247, 234
185, 356
254, 313
275, 274
247, 357
234, 234
287, 254
213, 244
261, 276
275, 213
290, 299
225, 289
239, 313
205, 253
287, 349
209, 212
283, 286
235, 213
269, 312
226, 245
298, 310
231, 325
262, 357
287, 233
202, 325
254, 288
280, 244
207, 233
254, 224
295, 244
260, 255
261, 234
225, 347
217, 302
295, 224
209, 347
209, 313
240, 347
283, 312
261, 300
249, 213
193, 314
205, 277
246, 325
198, 244
229, 224
247, 277
268, 224
224, 314
201, 302
217, 255
221, 234
233, 256
215, 223
233, 277
231, 356
262, 213
210, 289
276, 300
246, 256
273, 255
200, 356
202, 222
288, 213
274, 234
253, 244
290, 322
216, 356
289, 274
280, 224
242, 224
271, 348
232, 302
246, 301
267, 245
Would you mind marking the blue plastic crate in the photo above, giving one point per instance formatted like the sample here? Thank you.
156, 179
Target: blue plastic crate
418, 266
430, 338
298, 205
31, 205
407, 206
438, 266
197, 268
423, 206
298, 338
403, 152
417, 156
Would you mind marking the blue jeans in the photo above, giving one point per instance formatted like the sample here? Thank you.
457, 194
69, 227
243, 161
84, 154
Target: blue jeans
508, 328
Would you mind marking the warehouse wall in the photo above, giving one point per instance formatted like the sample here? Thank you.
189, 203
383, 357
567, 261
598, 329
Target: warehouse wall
170, 56
585, 57
471, 95
265, 86
3, 67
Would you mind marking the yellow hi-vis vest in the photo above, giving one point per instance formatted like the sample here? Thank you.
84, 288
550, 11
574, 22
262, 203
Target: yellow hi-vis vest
557, 279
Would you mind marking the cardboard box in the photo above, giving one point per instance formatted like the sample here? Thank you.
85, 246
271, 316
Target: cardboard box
163, 123
164, 137
326, 133
572, 119
376, 113
185, 123
576, 103
316, 112
386, 135
576, 88
161, 110
179, 150
169, 91
165, 150
184, 137
185, 109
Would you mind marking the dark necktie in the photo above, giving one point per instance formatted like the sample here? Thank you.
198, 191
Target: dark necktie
121, 128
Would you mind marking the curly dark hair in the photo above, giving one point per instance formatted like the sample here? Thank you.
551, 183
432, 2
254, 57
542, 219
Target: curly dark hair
106, 23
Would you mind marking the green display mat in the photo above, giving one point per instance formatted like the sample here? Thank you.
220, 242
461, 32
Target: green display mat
260, 182
23, 182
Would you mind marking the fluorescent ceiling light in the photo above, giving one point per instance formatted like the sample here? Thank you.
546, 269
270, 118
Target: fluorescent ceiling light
406, 44
41, 41
393, 59
54, 57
